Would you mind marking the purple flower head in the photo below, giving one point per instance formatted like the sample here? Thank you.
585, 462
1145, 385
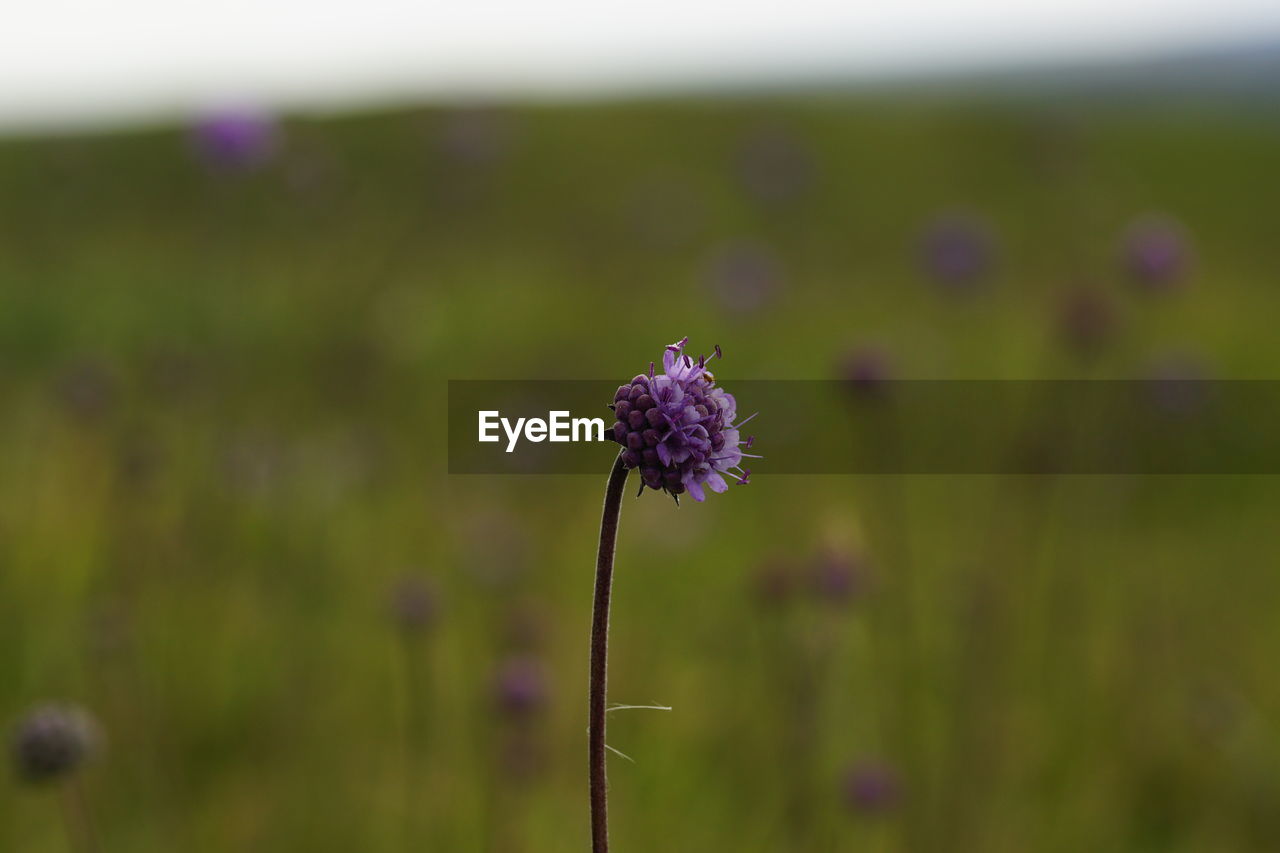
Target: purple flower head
1179, 384
524, 628
867, 370
679, 428
520, 687
775, 167
236, 139
1156, 253
414, 604
744, 277
774, 583
957, 251
836, 576
1086, 320
52, 741
87, 390
476, 135
872, 787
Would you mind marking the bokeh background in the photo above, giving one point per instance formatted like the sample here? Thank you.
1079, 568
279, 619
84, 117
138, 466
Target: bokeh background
227, 530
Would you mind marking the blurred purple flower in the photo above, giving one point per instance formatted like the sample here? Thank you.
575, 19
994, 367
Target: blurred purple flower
236, 139
254, 463
312, 169
497, 545
872, 787
53, 741
1215, 712
773, 165
1156, 253
744, 277
836, 576
665, 213
1086, 320
524, 628
1179, 384
774, 582
1055, 146
87, 390
139, 457
867, 370
958, 250
520, 686
414, 604
475, 135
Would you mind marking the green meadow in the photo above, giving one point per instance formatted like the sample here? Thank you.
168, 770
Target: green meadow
223, 458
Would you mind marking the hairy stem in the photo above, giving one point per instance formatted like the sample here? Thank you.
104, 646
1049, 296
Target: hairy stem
599, 784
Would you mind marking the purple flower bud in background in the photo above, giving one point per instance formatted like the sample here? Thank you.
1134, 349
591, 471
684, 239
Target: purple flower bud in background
520, 687
236, 139
1216, 712
774, 583
774, 166
1086, 320
312, 170
1055, 146
836, 576
872, 787
414, 604
744, 277
525, 628
475, 135
666, 212
53, 741
1156, 253
139, 457
957, 250
86, 390
1179, 384
867, 371
254, 464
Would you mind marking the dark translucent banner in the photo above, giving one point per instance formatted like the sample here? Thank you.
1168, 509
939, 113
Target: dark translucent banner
1157, 426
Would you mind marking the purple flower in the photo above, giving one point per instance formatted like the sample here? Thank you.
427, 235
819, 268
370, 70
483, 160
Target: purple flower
774, 166
520, 686
679, 428
1180, 384
867, 370
1156, 253
236, 139
414, 604
87, 390
836, 576
665, 213
1086, 320
52, 741
872, 787
744, 277
774, 582
476, 135
957, 250
524, 628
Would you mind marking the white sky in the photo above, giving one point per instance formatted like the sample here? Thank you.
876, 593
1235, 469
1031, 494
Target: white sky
114, 60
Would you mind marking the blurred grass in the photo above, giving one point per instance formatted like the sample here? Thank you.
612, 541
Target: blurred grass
223, 401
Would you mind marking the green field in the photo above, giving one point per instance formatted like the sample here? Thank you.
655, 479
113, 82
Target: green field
223, 435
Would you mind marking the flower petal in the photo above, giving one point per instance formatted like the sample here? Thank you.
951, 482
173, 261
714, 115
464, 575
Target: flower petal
695, 489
